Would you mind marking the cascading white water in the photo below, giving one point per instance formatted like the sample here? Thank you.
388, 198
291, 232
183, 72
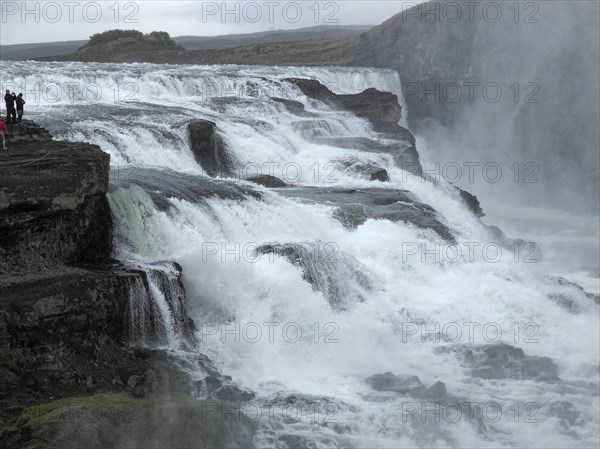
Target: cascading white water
259, 319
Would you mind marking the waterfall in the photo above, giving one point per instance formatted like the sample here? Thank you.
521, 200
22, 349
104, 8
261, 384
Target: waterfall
300, 307
156, 311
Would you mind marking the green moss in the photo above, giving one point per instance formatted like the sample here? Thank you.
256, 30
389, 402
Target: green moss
66, 408
106, 420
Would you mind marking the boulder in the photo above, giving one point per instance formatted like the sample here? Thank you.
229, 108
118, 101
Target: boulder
502, 361
569, 295
402, 148
209, 148
391, 382
373, 105
160, 184
340, 277
370, 104
294, 107
356, 206
267, 181
370, 171
408, 385
471, 202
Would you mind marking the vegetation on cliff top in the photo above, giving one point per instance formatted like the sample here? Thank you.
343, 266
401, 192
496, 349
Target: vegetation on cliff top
129, 40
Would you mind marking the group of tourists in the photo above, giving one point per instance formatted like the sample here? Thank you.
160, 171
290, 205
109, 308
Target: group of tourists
14, 113
11, 99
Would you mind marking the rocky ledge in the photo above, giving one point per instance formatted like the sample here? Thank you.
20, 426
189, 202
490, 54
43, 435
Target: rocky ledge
77, 327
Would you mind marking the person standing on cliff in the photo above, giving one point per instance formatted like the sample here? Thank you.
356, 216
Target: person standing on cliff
2, 133
20, 103
11, 113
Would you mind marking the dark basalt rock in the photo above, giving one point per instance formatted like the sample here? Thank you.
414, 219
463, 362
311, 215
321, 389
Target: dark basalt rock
391, 382
267, 181
370, 171
312, 129
160, 184
436, 393
371, 104
356, 206
26, 131
380, 108
529, 250
217, 386
209, 148
408, 385
402, 149
471, 202
294, 107
502, 361
144, 322
53, 205
566, 413
313, 89
340, 277
69, 313
570, 295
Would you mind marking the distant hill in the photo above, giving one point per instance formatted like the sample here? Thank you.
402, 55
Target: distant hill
48, 49
301, 34
20, 52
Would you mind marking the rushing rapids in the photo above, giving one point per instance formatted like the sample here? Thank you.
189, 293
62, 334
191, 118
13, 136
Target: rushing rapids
303, 291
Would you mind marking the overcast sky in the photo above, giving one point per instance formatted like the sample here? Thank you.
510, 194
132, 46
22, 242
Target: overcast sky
49, 21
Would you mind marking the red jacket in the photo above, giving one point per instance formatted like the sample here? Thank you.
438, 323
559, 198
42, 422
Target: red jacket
2, 125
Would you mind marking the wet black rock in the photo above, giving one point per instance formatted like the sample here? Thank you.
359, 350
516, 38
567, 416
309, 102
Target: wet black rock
370, 171
566, 413
53, 205
528, 252
471, 202
217, 386
408, 385
391, 382
70, 315
160, 184
294, 107
295, 442
402, 149
371, 104
569, 295
267, 181
209, 148
312, 129
502, 361
435, 394
356, 206
340, 277
26, 131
